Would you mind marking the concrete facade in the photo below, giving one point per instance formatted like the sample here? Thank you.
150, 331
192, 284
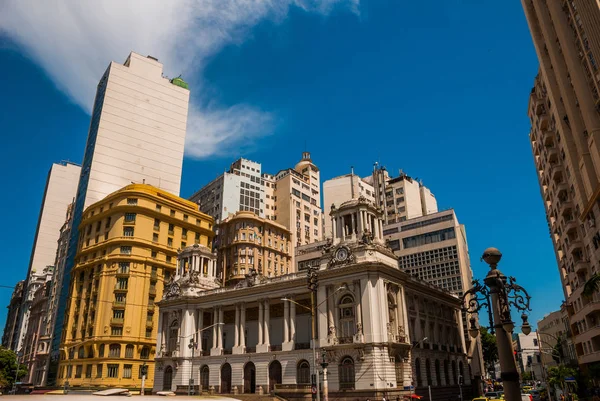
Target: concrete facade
371, 320
565, 125
59, 192
126, 251
556, 340
136, 135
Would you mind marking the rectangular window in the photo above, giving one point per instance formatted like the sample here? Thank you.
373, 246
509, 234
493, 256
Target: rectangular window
128, 352
184, 232
148, 333
172, 213
127, 371
128, 231
132, 201
119, 314
197, 239
116, 331
156, 224
126, 250
107, 223
183, 244
155, 237
78, 371
124, 267
158, 207
170, 242
153, 254
98, 226
168, 259
185, 217
113, 370
130, 217
122, 283
99, 370
88, 371
171, 228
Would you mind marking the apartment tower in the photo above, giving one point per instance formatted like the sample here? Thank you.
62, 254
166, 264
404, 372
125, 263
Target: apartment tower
565, 139
136, 135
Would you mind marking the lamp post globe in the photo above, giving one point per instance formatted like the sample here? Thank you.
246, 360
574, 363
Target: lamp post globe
492, 256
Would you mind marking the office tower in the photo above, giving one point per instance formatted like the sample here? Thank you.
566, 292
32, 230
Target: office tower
136, 134
434, 248
127, 249
565, 124
401, 198
10, 336
60, 189
247, 241
241, 188
291, 197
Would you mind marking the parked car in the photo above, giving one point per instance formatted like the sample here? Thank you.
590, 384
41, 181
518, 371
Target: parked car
494, 395
526, 397
535, 394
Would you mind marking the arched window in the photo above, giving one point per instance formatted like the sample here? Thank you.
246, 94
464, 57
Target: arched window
303, 372
347, 324
80, 353
145, 354
454, 379
418, 372
114, 351
346, 374
428, 372
392, 316
438, 373
129, 351
90, 351
101, 351
447, 372
204, 376
461, 372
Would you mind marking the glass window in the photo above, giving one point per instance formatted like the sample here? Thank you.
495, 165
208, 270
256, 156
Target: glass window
127, 371
113, 370
128, 231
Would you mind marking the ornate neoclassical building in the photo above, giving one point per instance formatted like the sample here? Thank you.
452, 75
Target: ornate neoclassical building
379, 328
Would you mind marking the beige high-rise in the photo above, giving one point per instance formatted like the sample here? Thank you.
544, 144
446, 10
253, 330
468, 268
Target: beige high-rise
565, 135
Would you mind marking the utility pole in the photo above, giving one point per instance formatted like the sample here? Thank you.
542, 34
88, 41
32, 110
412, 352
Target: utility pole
144, 371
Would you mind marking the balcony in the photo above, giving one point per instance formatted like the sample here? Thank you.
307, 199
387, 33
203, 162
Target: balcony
543, 121
592, 306
570, 225
117, 321
152, 291
151, 308
227, 351
122, 273
250, 350
302, 346
274, 348
118, 304
589, 334
149, 324
581, 266
154, 274
547, 137
589, 358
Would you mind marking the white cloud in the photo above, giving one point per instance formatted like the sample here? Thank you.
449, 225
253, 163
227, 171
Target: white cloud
75, 40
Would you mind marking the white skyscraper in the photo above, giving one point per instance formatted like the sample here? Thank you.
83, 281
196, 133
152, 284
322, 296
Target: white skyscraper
61, 187
137, 134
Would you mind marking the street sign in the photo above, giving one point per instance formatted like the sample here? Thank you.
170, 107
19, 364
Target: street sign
570, 379
314, 389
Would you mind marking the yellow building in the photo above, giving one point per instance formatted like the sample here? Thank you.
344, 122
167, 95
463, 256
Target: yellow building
248, 241
127, 249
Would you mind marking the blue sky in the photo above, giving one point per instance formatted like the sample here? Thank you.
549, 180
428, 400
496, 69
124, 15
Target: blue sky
439, 91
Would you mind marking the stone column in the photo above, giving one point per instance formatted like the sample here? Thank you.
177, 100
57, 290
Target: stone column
243, 327
220, 340
287, 345
293, 323
267, 322
331, 326
214, 350
359, 325
200, 326
353, 223
333, 230
263, 326
359, 222
187, 332
160, 335
405, 315
260, 323
236, 328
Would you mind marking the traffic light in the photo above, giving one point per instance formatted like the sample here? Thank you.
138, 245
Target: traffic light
312, 280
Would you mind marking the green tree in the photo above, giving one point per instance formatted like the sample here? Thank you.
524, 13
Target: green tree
8, 367
490, 350
591, 286
557, 376
526, 376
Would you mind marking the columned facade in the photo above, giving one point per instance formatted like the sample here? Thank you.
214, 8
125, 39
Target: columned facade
259, 332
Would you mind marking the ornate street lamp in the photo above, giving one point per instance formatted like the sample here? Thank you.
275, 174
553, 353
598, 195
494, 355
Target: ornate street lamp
498, 293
